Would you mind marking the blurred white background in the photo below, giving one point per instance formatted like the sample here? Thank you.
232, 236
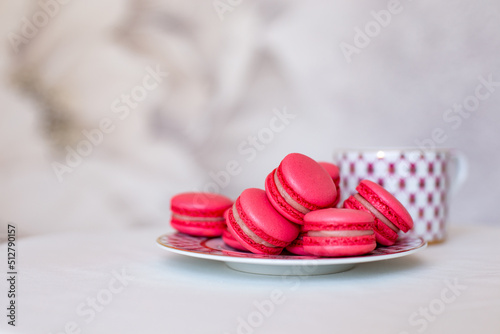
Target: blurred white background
248, 82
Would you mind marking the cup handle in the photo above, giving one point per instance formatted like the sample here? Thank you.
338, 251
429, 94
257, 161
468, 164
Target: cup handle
461, 170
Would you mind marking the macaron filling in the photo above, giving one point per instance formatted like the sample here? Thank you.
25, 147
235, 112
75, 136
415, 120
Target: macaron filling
241, 224
375, 212
196, 218
339, 233
280, 203
294, 204
392, 215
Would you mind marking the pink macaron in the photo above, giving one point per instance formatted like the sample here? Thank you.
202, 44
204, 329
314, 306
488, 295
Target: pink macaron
334, 172
389, 214
231, 241
300, 185
338, 232
228, 238
257, 226
297, 246
199, 214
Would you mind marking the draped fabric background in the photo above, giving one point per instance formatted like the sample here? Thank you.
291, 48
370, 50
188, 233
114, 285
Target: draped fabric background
170, 96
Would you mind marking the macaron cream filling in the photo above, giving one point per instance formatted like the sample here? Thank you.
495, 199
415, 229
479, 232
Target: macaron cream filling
375, 212
247, 231
390, 212
196, 219
287, 197
339, 233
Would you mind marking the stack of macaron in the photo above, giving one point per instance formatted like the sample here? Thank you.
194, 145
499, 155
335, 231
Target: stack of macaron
297, 212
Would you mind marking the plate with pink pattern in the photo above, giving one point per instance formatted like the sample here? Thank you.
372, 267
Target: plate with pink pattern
284, 264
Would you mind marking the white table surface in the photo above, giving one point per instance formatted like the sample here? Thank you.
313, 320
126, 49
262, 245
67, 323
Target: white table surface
59, 276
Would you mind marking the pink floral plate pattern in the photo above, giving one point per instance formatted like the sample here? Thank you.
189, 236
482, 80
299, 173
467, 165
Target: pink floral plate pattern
216, 249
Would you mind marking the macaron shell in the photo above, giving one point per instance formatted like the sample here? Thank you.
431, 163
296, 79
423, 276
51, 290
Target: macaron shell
298, 172
260, 217
254, 207
386, 204
337, 219
347, 224
200, 204
190, 209
230, 240
333, 170
246, 241
339, 247
384, 235
337, 200
199, 228
297, 246
279, 203
228, 237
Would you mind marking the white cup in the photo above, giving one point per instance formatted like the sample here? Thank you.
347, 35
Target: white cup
422, 180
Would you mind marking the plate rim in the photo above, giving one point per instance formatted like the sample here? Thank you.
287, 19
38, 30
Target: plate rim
292, 262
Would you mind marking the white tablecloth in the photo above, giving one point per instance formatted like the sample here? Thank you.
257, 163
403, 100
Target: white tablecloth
122, 282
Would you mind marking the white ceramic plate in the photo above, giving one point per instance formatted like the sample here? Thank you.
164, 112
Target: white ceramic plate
285, 264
